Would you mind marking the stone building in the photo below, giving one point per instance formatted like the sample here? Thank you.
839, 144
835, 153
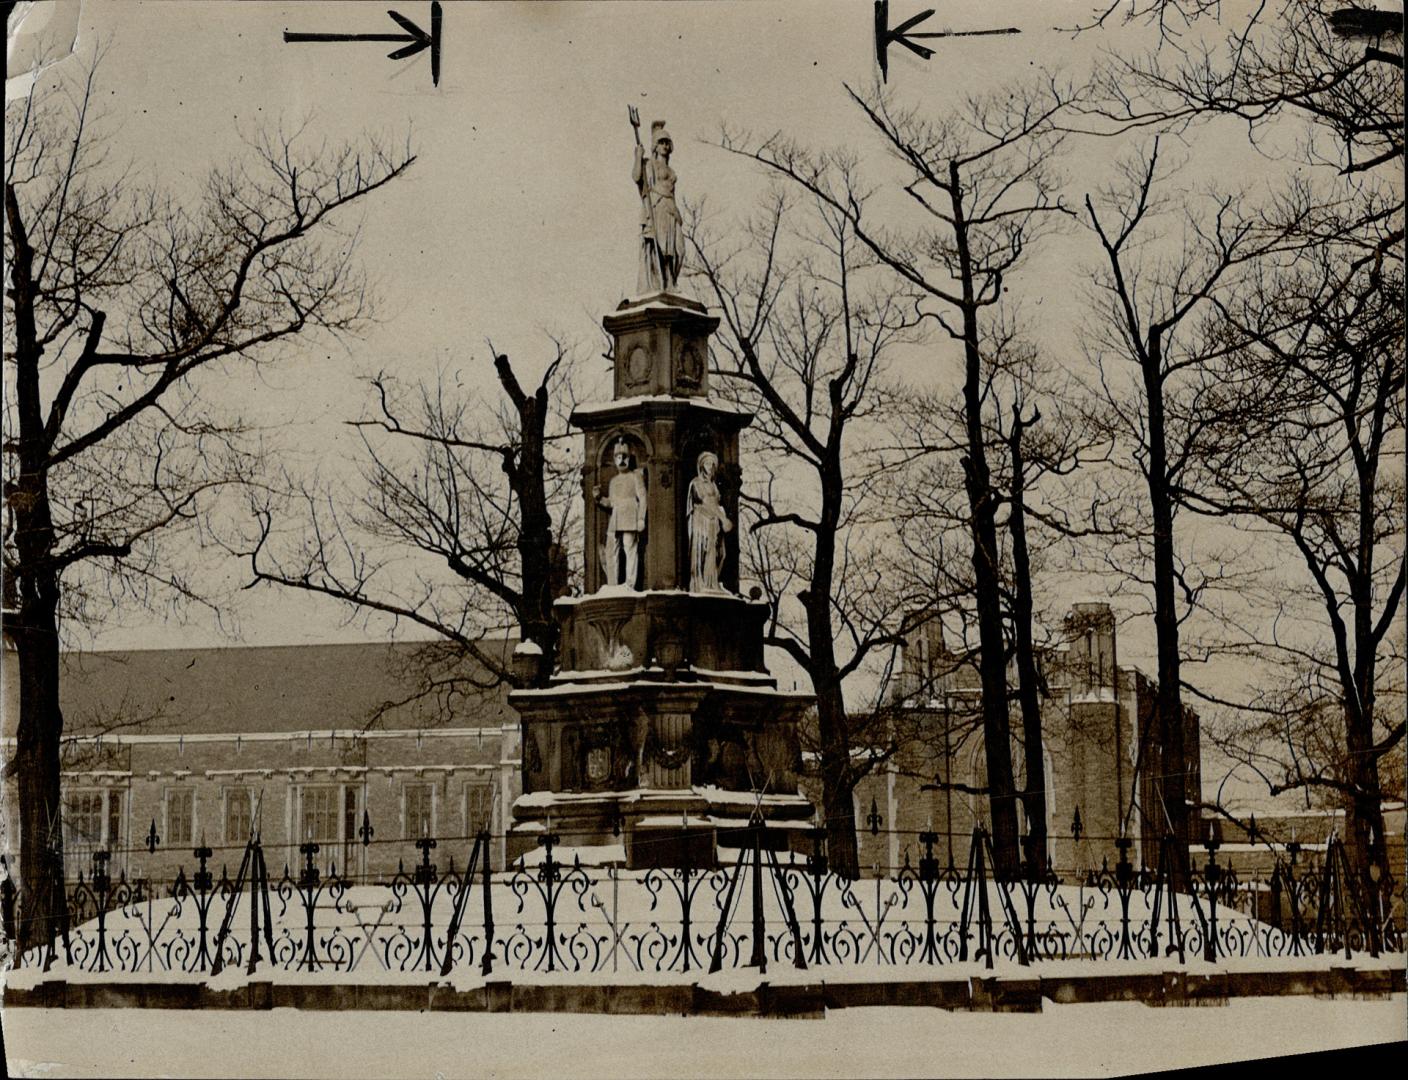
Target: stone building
192, 743
1101, 761
187, 745
169, 749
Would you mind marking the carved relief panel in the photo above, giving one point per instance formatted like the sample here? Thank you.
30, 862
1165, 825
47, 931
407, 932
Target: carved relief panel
637, 370
690, 365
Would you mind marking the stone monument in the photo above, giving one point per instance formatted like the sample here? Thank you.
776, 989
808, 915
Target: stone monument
661, 731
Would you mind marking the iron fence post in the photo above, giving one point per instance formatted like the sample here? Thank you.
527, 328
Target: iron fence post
487, 965
549, 875
759, 957
7, 904
203, 883
817, 869
929, 888
308, 890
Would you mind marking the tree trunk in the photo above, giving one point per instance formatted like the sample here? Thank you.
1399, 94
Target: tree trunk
1367, 850
535, 554
837, 784
1364, 840
992, 650
42, 908
1171, 816
1364, 819
837, 775
1028, 689
525, 470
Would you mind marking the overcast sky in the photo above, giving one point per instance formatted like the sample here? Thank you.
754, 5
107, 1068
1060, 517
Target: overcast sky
519, 219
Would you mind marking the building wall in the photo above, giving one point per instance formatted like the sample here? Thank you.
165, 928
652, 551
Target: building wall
1098, 725
1093, 718
151, 797
300, 787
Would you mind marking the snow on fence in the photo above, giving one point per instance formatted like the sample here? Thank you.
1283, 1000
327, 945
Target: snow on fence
556, 916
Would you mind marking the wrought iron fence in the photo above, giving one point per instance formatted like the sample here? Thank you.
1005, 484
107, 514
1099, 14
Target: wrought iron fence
547, 914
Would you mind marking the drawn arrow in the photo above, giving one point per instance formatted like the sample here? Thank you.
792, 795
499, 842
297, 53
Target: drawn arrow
416, 39
885, 35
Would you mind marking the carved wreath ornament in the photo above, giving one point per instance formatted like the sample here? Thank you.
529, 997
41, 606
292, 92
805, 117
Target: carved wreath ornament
637, 366
668, 759
690, 365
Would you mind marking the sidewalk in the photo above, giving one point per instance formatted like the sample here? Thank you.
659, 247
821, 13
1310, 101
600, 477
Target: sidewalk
1063, 1040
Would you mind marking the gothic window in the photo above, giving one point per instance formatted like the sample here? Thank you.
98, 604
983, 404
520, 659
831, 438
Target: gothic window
83, 820
92, 821
478, 808
418, 810
113, 836
239, 810
180, 816
318, 821
350, 824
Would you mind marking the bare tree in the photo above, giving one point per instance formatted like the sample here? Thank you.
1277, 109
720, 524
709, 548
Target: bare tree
1042, 454
1171, 18
1151, 309
1340, 67
808, 322
982, 185
1313, 356
444, 487
1039, 436
121, 305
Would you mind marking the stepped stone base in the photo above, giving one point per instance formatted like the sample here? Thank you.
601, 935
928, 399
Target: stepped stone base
781, 992
644, 827
663, 770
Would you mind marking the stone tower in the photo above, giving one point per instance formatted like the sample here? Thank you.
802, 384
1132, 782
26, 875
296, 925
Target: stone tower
1094, 757
661, 730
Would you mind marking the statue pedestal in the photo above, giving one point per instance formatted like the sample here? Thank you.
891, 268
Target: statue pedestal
661, 730
664, 766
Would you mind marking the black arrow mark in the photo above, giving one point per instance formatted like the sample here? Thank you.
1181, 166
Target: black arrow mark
416, 39
885, 36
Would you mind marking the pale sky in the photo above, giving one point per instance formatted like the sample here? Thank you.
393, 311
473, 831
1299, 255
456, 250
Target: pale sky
519, 218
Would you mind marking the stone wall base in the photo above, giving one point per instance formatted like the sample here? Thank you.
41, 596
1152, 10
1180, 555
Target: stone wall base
991, 993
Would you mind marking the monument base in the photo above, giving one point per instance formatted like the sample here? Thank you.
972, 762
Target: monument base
643, 827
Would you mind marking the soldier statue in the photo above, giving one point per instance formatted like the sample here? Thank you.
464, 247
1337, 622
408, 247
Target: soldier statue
625, 498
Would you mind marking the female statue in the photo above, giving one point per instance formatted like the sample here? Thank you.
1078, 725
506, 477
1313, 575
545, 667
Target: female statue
661, 228
707, 525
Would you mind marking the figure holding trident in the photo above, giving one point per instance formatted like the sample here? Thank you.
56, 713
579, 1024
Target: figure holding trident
661, 228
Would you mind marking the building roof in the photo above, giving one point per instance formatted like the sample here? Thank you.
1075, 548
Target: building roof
277, 688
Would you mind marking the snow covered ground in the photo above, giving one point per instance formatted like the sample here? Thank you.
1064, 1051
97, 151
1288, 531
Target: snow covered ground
1063, 1040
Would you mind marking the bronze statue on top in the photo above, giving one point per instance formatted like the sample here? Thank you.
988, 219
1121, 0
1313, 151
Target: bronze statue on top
661, 227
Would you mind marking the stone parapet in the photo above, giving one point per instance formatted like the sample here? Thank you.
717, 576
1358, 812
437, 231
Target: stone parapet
618, 634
